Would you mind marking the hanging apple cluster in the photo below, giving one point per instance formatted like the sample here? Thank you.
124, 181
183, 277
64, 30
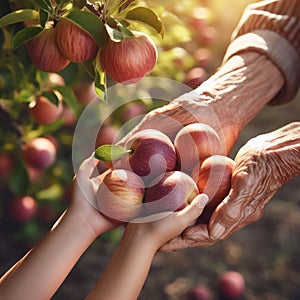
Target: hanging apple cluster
94, 33
151, 174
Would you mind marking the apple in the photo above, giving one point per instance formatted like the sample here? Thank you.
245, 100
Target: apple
231, 284
39, 153
107, 134
75, 43
44, 52
208, 36
214, 179
174, 191
133, 110
151, 153
85, 92
194, 143
23, 209
200, 292
129, 60
195, 77
198, 19
45, 112
120, 195
6, 164
54, 79
203, 57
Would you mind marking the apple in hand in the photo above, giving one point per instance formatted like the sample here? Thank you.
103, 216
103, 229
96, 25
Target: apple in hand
174, 191
151, 153
194, 143
22, 209
120, 195
214, 179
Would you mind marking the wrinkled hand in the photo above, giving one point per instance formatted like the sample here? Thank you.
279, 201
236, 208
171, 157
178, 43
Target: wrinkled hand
263, 165
190, 108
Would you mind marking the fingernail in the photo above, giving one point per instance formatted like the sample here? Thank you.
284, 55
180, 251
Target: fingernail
217, 231
203, 200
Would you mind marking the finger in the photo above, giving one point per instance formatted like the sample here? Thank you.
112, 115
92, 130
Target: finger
87, 167
190, 213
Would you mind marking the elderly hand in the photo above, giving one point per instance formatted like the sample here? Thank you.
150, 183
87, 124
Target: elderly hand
263, 165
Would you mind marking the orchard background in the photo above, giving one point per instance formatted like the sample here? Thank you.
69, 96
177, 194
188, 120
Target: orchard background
196, 34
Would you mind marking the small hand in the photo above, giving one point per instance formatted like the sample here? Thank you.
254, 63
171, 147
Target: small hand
263, 165
84, 193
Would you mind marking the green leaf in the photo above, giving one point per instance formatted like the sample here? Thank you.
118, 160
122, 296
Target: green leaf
146, 16
90, 23
19, 180
18, 16
24, 35
79, 3
45, 4
110, 152
89, 67
51, 96
44, 17
68, 96
100, 82
114, 34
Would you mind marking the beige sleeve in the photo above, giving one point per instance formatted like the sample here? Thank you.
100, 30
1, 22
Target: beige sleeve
272, 28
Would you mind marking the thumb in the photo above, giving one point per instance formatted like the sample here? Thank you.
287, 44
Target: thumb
194, 210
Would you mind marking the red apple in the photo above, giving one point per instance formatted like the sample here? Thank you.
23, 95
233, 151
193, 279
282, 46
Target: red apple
106, 135
45, 112
120, 195
195, 77
6, 164
85, 92
231, 284
174, 191
75, 43
151, 154
200, 292
194, 143
203, 57
39, 153
208, 36
23, 209
130, 60
214, 179
44, 52
198, 19
133, 110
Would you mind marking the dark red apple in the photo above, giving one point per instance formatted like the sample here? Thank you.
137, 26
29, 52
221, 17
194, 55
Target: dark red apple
85, 92
231, 284
44, 52
6, 164
120, 195
130, 60
195, 77
23, 209
39, 153
45, 112
194, 143
200, 292
214, 179
151, 154
75, 43
174, 191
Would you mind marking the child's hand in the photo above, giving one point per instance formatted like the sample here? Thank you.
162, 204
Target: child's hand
166, 226
83, 202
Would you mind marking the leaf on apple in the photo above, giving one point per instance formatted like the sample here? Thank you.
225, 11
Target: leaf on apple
146, 16
90, 23
110, 152
44, 17
24, 35
45, 4
19, 16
